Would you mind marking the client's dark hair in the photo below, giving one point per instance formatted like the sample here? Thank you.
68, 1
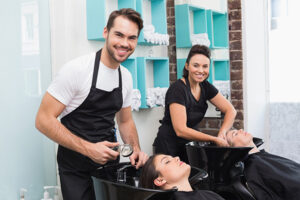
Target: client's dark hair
149, 174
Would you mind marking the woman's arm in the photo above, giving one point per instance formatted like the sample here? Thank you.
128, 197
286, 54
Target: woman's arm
179, 119
226, 107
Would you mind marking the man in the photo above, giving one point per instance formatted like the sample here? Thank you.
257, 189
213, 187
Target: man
88, 93
268, 176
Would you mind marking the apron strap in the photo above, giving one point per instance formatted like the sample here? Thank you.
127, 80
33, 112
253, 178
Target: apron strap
96, 68
120, 78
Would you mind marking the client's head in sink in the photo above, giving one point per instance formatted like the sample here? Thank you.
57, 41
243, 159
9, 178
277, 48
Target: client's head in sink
241, 138
165, 172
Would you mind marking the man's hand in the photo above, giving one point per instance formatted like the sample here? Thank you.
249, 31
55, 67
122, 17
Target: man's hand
138, 158
101, 152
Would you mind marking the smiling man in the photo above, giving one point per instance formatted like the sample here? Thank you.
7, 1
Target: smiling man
268, 176
87, 93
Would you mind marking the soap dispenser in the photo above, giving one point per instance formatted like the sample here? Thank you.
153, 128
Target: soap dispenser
22, 193
46, 193
56, 193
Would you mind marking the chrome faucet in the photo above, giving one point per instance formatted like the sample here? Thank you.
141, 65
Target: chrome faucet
121, 174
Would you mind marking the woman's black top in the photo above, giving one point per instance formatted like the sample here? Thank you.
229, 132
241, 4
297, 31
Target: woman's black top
196, 195
167, 141
272, 177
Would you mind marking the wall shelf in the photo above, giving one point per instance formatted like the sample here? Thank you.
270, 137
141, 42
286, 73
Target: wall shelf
95, 19
221, 71
130, 64
180, 66
148, 72
160, 75
97, 16
189, 20
217, 24
158, 17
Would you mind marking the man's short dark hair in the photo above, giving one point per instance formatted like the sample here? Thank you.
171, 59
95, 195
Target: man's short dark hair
128, 13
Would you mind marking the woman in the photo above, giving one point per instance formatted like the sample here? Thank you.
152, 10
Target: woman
268, 176
166, 172
186, 106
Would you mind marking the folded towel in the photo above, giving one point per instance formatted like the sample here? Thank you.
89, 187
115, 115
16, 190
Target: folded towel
201, 38
156, 96
136, 100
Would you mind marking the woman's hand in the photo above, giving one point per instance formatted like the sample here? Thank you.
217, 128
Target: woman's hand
220, 142
222, 134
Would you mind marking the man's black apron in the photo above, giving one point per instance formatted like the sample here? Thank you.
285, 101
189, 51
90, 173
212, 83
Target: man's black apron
93, 121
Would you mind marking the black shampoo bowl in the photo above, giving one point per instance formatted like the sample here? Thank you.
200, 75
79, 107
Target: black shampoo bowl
224, 168
120, 181
217, 161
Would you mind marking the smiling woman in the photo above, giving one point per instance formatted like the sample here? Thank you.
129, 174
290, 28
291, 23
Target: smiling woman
186, 105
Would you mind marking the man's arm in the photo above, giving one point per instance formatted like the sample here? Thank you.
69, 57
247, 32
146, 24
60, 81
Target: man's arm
47, 123
129, 136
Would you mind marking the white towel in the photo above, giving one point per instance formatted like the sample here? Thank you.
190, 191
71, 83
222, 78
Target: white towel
156, 96
201, 38
136, 100
155, 38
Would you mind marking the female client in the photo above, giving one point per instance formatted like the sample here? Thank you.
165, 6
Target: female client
166, 172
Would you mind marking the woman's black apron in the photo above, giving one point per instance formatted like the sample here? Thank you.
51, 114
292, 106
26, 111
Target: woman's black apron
93, 121
167, 142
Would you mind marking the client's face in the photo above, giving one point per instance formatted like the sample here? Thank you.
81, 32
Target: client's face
171, 169
239, 138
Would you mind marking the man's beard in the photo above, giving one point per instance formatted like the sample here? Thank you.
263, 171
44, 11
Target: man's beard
112, 55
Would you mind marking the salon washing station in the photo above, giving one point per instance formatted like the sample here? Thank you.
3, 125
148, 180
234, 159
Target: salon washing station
224, 168
120, 181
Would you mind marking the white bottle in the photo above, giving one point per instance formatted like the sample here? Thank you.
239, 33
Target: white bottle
56, 193
46, 193
22, 193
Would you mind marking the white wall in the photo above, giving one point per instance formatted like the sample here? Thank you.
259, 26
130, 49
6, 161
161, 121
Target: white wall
255, 65
27, 157
69, 40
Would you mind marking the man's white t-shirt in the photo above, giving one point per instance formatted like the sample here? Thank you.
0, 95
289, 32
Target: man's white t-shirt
73, 82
